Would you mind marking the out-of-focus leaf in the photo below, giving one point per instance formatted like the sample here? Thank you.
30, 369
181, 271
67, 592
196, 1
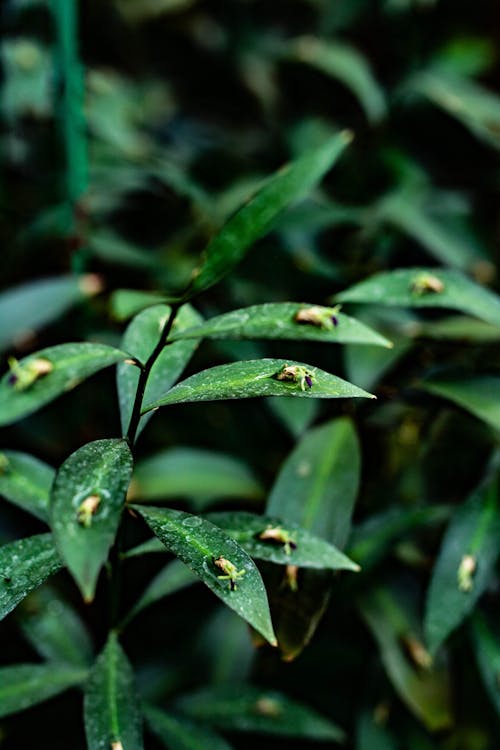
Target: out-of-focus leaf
27, 308
424, 689
318, 483
24, 565
463, 569
256, 378
458, 327
111, 706
477, 108
112, 248
141, 338
486, 639
371, 735
346, 64
199, 544
251, 709
255, 218
55, 630
26, 482
173, 577
27, 81
25, 685
467, 55
479, 395
278, 321
67, 365
86, 504
226, 660
143, 10
295, 414
197, 474
283, 543
409, 287
181, 734
128, 302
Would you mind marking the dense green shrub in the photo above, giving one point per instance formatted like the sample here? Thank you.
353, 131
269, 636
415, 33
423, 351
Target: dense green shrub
147, 223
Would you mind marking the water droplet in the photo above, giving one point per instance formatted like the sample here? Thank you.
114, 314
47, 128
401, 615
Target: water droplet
192, 521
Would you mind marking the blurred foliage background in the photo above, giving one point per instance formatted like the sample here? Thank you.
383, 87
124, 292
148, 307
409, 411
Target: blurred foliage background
177, 110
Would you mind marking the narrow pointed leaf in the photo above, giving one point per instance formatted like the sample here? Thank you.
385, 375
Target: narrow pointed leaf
182, 734
252, 709
25, 685
303, 549
198, 543
470, 539
318, 483
24, 565
255, 218
26, 481
69, 363
255, 378
479, 395
54, 629
346, 64
278, 321
140, 339
29, 307
486, 639
400, 288
173, 577
111, 705
128, 302
98, 475
197, 474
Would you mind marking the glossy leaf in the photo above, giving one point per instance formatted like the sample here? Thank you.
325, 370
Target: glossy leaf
486, 639
28, 308
252, 709
25, 685
425, 689
471, 535
181, 734
400, 288
318, 483
277, 321
99, 470
111, 706
173, 577
255, 378
71, 363
255, 218
24, 565
140, 339
198, 543
302, 548
480, 395
26, 482
54, 629
346, 64
194, 473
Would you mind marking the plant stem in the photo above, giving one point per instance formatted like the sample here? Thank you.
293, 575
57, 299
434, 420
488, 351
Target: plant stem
143, 377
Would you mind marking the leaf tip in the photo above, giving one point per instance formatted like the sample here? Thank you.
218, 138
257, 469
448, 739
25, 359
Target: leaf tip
347, 136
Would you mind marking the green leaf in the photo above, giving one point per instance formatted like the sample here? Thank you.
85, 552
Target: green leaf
86, 504
346, 64
111, 706
25, 685
400, 288
197, 474
140, 339
295, 414
28, 308
458, 327
302, 548
198, 543
54, 629
480, 395
278, 321
24, 565
128, 302
470, 543
26, 482
181, 734
256, 378
372, 734
251, 709
487, 651
425, 689
255, 218
318, 483
173, 577
69, 364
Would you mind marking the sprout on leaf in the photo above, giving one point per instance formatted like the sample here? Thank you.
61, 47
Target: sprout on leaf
296, 374
426, 283
279, 535
321, 317
465, 573
25, 374
231, 573
87, 509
